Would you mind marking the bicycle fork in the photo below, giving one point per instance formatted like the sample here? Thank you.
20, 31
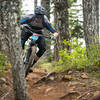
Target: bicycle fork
30, 53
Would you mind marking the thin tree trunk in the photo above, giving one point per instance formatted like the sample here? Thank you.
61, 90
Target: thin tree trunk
35, 3
10, 40
61, 24
46, 5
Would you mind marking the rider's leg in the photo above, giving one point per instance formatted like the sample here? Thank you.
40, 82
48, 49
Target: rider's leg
42, 48
37, 56
24, 37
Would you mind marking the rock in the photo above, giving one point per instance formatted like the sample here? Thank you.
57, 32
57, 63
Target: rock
70, 72
96, 96
66, 78
52, 78
49, 89
96, 93
84, 76
51, 74
2, 80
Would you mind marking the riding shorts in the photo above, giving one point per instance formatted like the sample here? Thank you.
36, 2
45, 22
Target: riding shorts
40, 42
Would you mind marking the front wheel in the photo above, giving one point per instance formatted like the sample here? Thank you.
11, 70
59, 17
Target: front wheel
29, 64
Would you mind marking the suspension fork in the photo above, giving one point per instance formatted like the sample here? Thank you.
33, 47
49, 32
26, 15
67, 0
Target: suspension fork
28, 52
31, 51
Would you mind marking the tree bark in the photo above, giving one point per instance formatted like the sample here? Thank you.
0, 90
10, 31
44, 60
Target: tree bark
62, 24
91, 22
35, 3
46, 5
10, 42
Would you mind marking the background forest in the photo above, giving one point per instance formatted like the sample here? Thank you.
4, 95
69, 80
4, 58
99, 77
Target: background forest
78, 45
71, 49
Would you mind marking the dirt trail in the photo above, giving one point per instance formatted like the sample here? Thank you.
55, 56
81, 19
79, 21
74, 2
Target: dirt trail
62, 86
69, 85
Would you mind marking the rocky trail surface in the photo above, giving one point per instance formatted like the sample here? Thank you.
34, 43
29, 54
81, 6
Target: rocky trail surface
68, 85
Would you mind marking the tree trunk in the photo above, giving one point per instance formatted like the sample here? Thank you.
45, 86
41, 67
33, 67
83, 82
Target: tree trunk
61, 24
46, 5
91, 22
10, 42
35, 3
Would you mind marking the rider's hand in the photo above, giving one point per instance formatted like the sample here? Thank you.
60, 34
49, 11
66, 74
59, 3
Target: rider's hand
22, 52
56, 35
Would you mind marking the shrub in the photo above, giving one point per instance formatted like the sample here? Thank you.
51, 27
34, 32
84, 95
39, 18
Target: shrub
78, 56
3, 63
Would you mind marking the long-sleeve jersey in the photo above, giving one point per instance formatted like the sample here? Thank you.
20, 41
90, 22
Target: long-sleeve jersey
37, 22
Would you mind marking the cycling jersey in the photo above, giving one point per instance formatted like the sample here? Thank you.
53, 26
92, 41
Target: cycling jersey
37, 22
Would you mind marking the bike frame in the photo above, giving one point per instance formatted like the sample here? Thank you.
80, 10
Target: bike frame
31, 51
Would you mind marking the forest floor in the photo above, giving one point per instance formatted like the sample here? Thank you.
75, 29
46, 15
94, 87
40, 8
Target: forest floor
68, 85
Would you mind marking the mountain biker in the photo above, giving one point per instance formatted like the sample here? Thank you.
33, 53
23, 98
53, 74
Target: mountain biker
36, 22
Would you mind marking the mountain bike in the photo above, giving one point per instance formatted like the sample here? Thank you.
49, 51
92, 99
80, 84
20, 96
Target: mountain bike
31, 50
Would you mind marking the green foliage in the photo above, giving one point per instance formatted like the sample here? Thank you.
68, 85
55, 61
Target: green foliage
78, 56
3, 63
50, 57
75, 21
3, 60
71, 2
46, 66
52, 66
96, 73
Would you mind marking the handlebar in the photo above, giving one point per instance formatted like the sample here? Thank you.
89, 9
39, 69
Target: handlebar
48, 37
45, 36
41, 35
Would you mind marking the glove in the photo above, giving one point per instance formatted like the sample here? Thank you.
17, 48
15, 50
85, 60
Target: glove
56, 35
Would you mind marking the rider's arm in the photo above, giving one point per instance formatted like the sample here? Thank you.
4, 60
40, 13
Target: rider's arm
48, 25
26, 19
